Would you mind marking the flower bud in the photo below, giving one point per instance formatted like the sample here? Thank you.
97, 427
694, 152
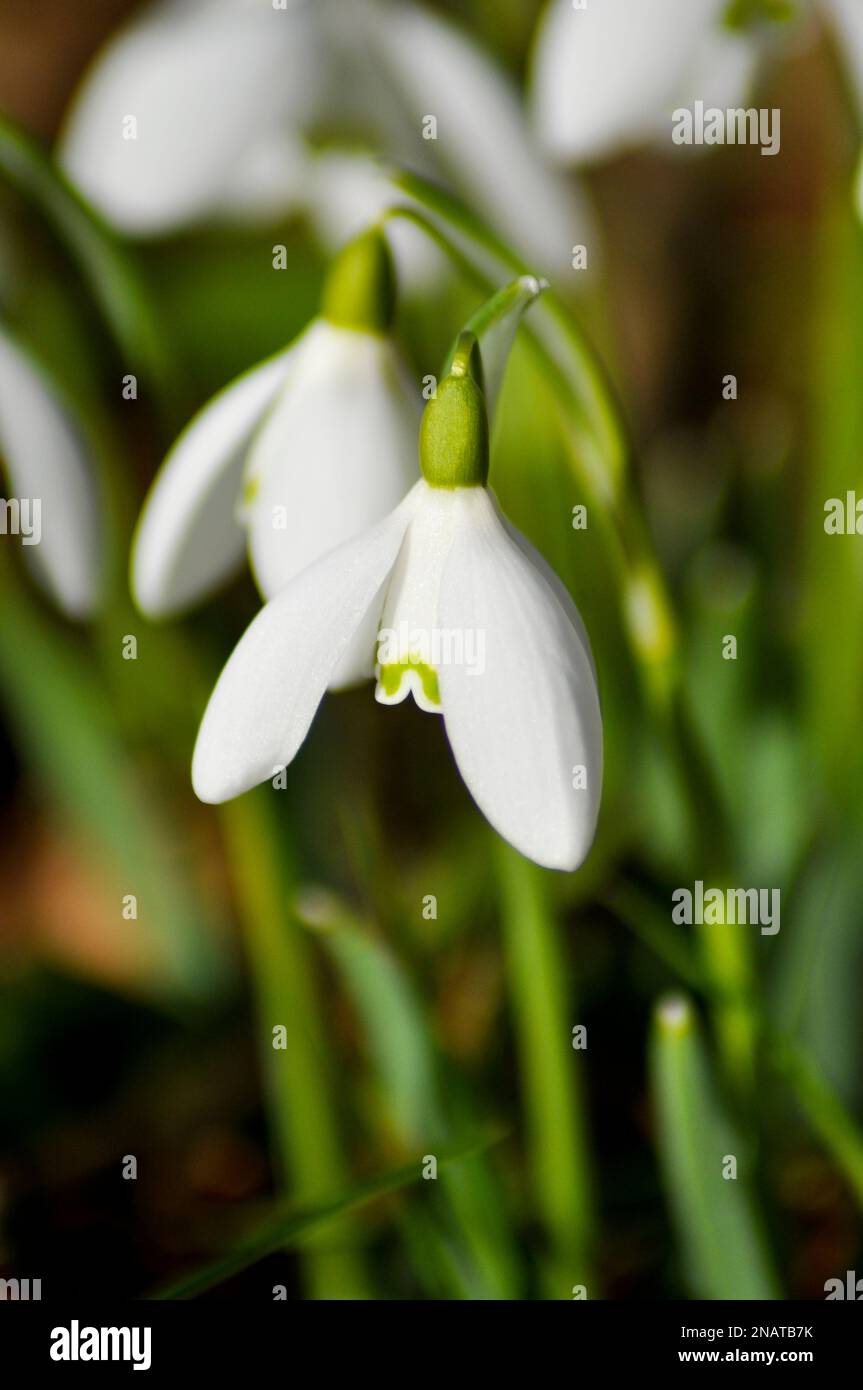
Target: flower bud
454, 450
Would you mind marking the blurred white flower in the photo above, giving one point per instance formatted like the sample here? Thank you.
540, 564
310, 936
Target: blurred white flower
53, 496
348, 191
481, 142
470, 620
848, 16
609, 76
224, 93
208, 84
292, 458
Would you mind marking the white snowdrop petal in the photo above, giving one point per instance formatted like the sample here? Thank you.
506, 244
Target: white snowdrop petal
720, 73
204, 80
347, 191
336, 452
410, 640
271, 180
48, 463
603, 76
267, 695
848, 19
482, 136
553, 580
524, 722
188, 539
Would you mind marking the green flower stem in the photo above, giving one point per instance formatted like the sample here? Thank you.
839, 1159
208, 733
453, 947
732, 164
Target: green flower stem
726, 949
493, 328
298, 1079
289, 1228
418, 1107
646, 920
825, 1112
728, 966
719, 1226
550, 1071
490, 259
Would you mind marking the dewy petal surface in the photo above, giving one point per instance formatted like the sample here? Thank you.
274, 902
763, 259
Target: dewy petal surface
47, 459
188, 538
267, 695
336, 452
522, 725
206, 80
602, 77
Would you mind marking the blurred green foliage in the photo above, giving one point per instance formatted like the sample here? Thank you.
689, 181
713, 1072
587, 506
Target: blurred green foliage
407, 1035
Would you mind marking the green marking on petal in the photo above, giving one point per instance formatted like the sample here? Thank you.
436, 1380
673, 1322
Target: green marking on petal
392, 675
742, 14
251, 488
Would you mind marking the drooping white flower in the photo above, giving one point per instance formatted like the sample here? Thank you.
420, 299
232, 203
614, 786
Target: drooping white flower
225, 93
181, 98
53, 498
293, 458
469, 619
608, 76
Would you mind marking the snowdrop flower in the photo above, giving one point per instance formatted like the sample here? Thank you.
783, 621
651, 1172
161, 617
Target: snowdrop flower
201, 108
608, 76
294, 457
53, 506
178, 101
470, 621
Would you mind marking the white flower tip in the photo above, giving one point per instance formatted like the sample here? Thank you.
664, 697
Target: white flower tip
77, 601
533, 285
564, 852
208, 782
154, 594
217, 775
204, 784
674, 1014
318, 908
150, 599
